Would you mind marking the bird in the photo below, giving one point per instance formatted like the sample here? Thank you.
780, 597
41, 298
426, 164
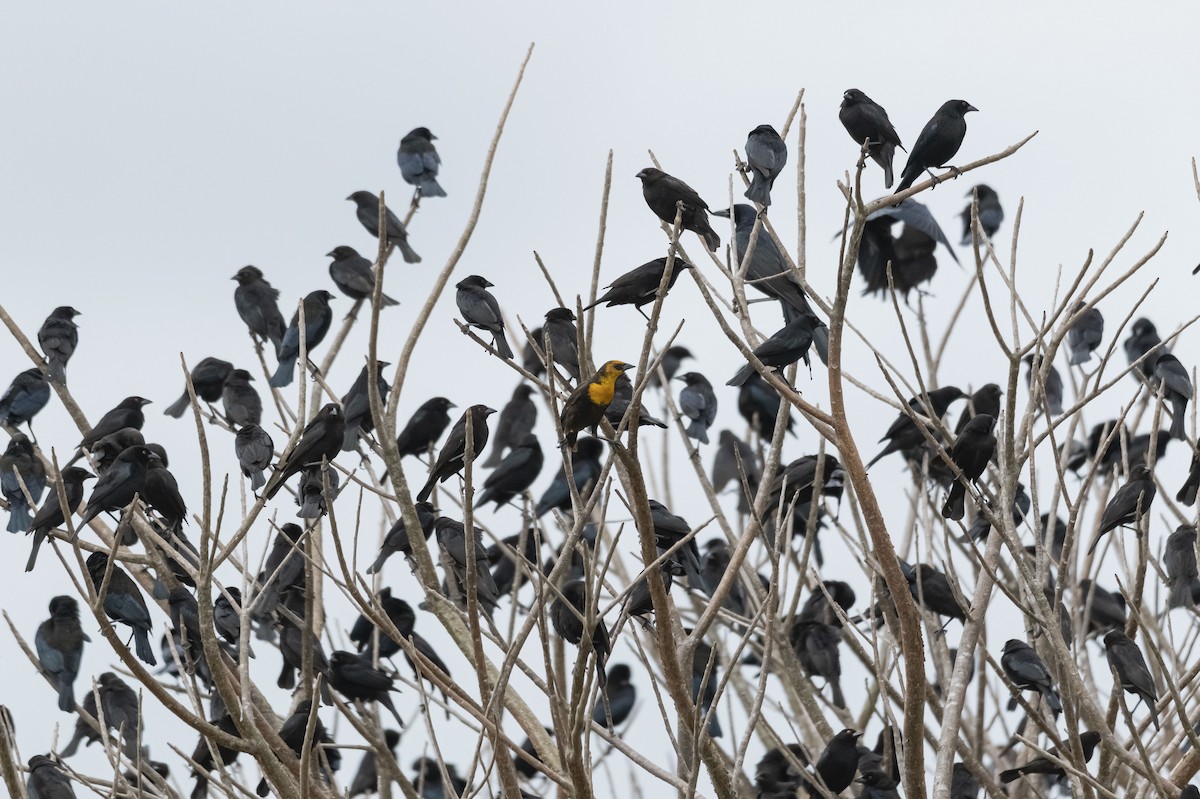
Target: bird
1187, 492
397, 539
938, 142
368, 216
972, 452
354, 275
621, 695
451, 460
1051, 386
311, 494
1133, 674
291, 649
759, 404
19, 465
1104, 610
295, 733
1049, 766
120, 706
780, 773
1143, 348
622, 399
515, 421
514, 474
699, 404
669, 530
903, 434
986, 399
59, 643
1131, 501
399, 613
320, 440
318, 316
706, 673
931, 589
911, 255
734, 461
185, 618
127, 413
671, 360
570, 618
1179, 561
1022, 665
586, 405
668, 196
766, 155
787, 345
866, 121
257, 304
284, 568
227, 617
356, 404
366, 779
1172, 378
240, 401
203, 755
419, 162
161, 492
452, 538
355, 678
58, 337
46, 780
585, 469
963, 784
429, 782
117, 487
767, 270
990, 213
562, 340
512, 558
51, 514
839, 761
424, 427
1085, 334
24, 399
254, 449
531, 358
208, 378
816, 647
639, 287
123, 602
480, 309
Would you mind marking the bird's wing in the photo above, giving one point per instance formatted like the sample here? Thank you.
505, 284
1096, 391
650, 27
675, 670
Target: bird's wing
918, 216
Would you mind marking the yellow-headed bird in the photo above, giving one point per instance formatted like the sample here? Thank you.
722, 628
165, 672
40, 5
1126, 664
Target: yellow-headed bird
586, 405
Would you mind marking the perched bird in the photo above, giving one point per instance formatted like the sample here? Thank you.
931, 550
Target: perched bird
531, 358
24, 398
356, 679
766, 155
1051, 386
1026, 670
706, 673
699, 404
397, 540
185, 618
120, 706
368, 216
51, 514
767, 270
1104, 610
291, 648
123, 602
58, 337
451, 460
622, 398
227, 617
424, 427
59, 644
295, 732
972, 452
985, 400
671, 360
257, 304
283, 570
1187, 492
562, 340
785, 346
903, 434
586, 406
838, 763
1176, 388
419, 162
356, 405
1126, 659
254, 449
713, 568
816, 646
428, 780
780, 773
585, 469
1085, 333
669, 530
366, 779
46, 780
1088, 742
571, 620
866, 121
1179, 560
1129, 504
963, 784
203, 755
208, 379
515, 473
117, 487
452, 538
621, 695
402, 618
515, 421
354, 276
639, 287
480, 309
127, 413
982, 526
938, 143
759, 403
311, 495
318, 316
512, 558
161, 493
667, 196
734, 458
825, 601
930, 588
990, 213
241, 402
20, 465
1143, 348
321, 440
911, 255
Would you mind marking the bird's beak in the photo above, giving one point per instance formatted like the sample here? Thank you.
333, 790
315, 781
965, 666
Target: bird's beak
329, 254
349, 198
432, 137
233, 278
971, 107
723, 212
627, 366
641, 174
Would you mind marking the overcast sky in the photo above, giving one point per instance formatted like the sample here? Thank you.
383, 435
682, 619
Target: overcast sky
152, 150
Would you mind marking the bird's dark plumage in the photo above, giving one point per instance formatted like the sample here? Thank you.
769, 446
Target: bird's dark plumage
321, 440
585, 470
1085, 334
208, 379
355, 678
356, 405
515, 421
972, 451
241, 402
787, 345
621, 695
991, 214
58, 337
866, 121
124, 603
586, 405
838, 763
257, 304
419, 162
1026, 670
51, 514
1043, 765
903, 434
1172, 379
424, 427
318, 316
515, 473
560, 339
665, 194
20, 465
1131, 501
938, 142
639, 286
451, 459
767, 270
480, 309
397, 538
569, 616
368, 216
1132, 672
59, 644
118, 485
24, 398
1144, 344
354, 275
1179, 561
766, 155
698, 403
254, 450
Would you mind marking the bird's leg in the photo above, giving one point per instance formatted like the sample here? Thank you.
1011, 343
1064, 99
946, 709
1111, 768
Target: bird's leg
936, 180
957, 172
643, 313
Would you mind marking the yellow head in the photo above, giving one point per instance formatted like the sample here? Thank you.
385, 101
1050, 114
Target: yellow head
600, 390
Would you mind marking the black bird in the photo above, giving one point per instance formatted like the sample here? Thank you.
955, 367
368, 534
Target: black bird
354, 276
704, 691
640, 604
452, 538
356, 405
419, 163
938, 143
318, 316
1088, 742
1126, 658
515, 421
51, 514
512, 560
397, 538
560, 338
1107, 608
1052, 387
366, 779
982, 526
203, 755
124, 603
758, 403
254, 450
128, 413
1026, 670
161, 492
450, 460
117, 487
911, 255
283, 570
766, 155
669, 530
699, 404
59, 643
664, 194
776, 775
47, 781
838, 763
24, 398
671, 361
208, 379
58, 337
816, 646
585, 469
734, 458
428, 780
621, 695
515, 473
120, 706
227, 617
1179, 560
1187, 493
1172, 376
1143, 343
713, 568
930, 588
531, 361
241, 402
185, 618
823, 603
1129, 504
985, 400
768, 270
972, 452
480, 309
295, 732
425, 427
311, 495
291, 648
322, 439
639, 287
866, 121
1085, 333
622, 397
785, 346
368, 217
793, 490
257, 304
356, 679
903, 434
963, 784
990, 213
19, 459
401, 616
570, 618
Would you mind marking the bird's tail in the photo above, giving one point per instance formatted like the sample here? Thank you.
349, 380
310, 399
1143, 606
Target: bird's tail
502, 347
426, 489
742, 375
1178, 418
19, 518
839, 699
38, 538
1008, 776
141, 643
56, 371
257, 480
494, 458
883, 155
1081, 355
956, 502
711, 240
72, 745
1052, 700
698, 430
1187, 494
409, 254
284, 375
759, 191
431, 188
66, 696
1180, 595
176, 408
906, 180
350, 438
379, 561
387, 301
